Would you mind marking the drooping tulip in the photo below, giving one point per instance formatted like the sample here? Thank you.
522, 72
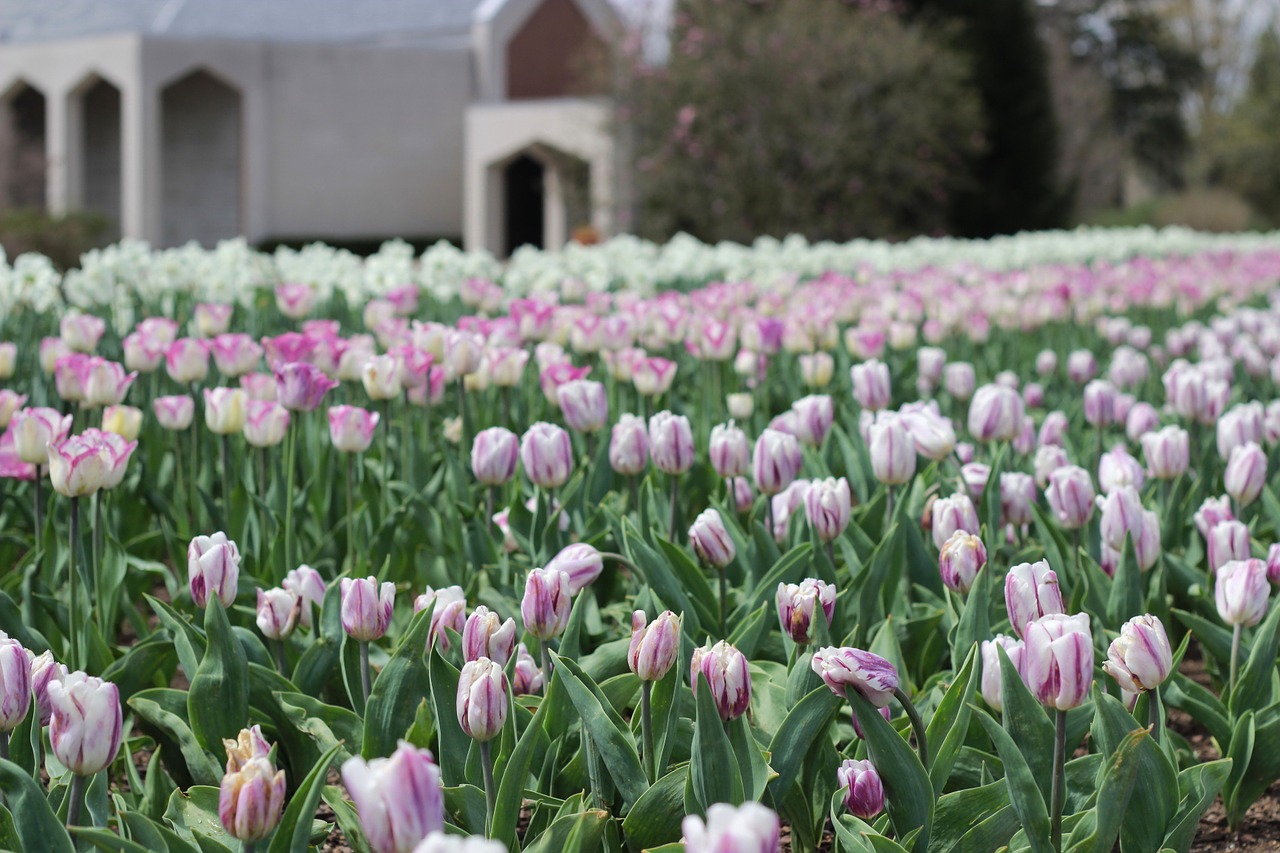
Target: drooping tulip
844, 669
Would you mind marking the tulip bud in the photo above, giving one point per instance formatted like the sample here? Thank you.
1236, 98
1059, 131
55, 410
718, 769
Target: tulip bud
213, 566
278, 613
251, 798
546, 603
992, 676
1246, 473
547, 455
629, 446
1117, 469
776, 461
306, 583
380, 376
730, 451
584, 405
1057, 662
224, 410
1241, 592
933, 435
1017, 497
366, 607
1212, 511
78, 466
1081, 366
654, 647
174, 413
1099, 403
482, 699
748, 828
864, 792
671, 443
1046, 362
1227, 541
1070, 496
1031, 591
995, 414
265, 424
959, 380
816, 369
1167, 452
486, 635
528, 678
843, 669
710, 539
494, 454
814, 416
961, 558
653, 376
1273, 564
827, 505
741, 405
400, 799
797, 604
300, 387
951, 514
725, 670
351, 428
187, 360
1140, 658
581, 562
893, 453
871, 385
15, 685
34, 429
84, 730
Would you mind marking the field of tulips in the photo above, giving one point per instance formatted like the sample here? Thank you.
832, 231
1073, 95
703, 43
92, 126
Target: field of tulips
938, 547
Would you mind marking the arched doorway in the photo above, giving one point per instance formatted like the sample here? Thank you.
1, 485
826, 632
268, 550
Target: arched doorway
22, 148
524, 199
100, 144
200, 118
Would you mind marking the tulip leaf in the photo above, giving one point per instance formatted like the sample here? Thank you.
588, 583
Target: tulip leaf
610, 735
1211, 636
668, 693
218, 701
399, 688
949, 725
203, 769
1244, 741
964, 812
974, 624
1153, 802
1186, 695
465, 807
878, 583
753, 767
656, 816
691, 578
24, 742
1023, 791
1116, 782
789, 568
139, 667
33, 821
747, 633
1264, 763
454, 743
327, 725
514, 776
1200, 785
1027, 724
664, 583
186, 639
713, 768
106, 840
573, 833
193, 814
808, 721
1125, 598
909, 795
294, 830
1254, 688
314, 669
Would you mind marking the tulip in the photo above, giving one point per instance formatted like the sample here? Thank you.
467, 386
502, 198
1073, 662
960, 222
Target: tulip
482, 701
81, 332
995, 414
1273, 564
15, 687
52, 350
974, 476
653, 376
1081, 366
1046, 362
84, 730
775, 462
814, 416
260, 386
581, 562
67, 377
351, 429
933, 435
961, 558
827, 505
893, 453
1212, 511
546, 604
741, 405
366, 607
1070, 496
486, 635
79, 466
1246, 473
1239, 426
144, 353
278, 612
295, 299
629, 446
187, 360
584, 405
958, 379
439, 842
235, 354
948, 515
816, 369
547, 455
1241, 592
1057, 661
730, 451
710, 539
1099, 403
1053, 429
174, 413
748, 828
400, 800
1033, 395
224, 410
213, 566
1017, 497
1121, 516
301, 386
726, 673
870, 675
1030, 592
34, 429
265, 423
864, 792
252, 793
1140, 659
212, 318
992, 677
1117, 469
44, 671
528, 678
1142, 419
1167, 452
1227, 541
797, 604
871, 384
306, 583
494, 454
450, 611
381, 377
654, 646
671, 443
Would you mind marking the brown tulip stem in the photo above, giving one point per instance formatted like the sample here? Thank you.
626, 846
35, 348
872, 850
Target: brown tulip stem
646, 731
917, 725
1235, 656
366, 683
75, 799
1058, 787
490, 790
1154, 716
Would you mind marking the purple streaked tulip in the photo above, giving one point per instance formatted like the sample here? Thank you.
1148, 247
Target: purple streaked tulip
251, 797
174, 413
494, 454
1117, 468
797, 604
546, 604
486, 635
351, 428
300, 386
265, 423
1167, 452
1273, 564
1048, 458
581, 562
671, 443
1141, 419
547, 455
1070, 495
79, 465
1081, 366
584, 405
842, 669
482, 699
992, 676
863, 790
1030, 591
629, 446
15, 685
278, 612
827, 505
44, 671
711, 540
748, 828
1240, 425
1017, 497
84, 730
814, 416
450, 612
440, 842
213, 567
654, 645
961, 558
893, 453
725, 670
1246, 473
932, 434
776, 461
1241, 591
366, 607
1212, 511
306, 583
872, 387
959, 380
400, 800
1057, 662
1227, 541
730, 451
528, 678
995, 414
1140, 659
948, 515
1099, 403
1053, 430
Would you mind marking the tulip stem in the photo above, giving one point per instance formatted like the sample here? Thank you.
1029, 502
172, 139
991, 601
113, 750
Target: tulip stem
281, 666
490, 790
546, 665
4, 744
366, 683
351, 509
724, 605
39, 499
635, 493
247, 846
462, 413
225, 450
1235, 654
675, 479
74, 538
646, 731
291, 436
74, 800
1154, 717
917, 725
386, 460
1057, 788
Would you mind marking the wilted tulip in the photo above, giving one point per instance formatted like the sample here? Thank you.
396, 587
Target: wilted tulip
84, 730
992, 676
251, 798
546, 604
1140, 659
725, 670
1031, 591
671, 443
213, 566
827, 505
400, 800
654, 646
366, 607
486, 635
961, 558
863, 790
748, 828
1057, 662
1241, 592
842, 669
547, 455
797, 604
871, 384
581, 562
711, 540
482, 699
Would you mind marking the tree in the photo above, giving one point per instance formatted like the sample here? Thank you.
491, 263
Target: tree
807, 116
1246, 156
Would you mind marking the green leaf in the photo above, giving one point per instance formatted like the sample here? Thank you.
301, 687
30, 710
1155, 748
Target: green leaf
294, 831
975, 622
1117, 781
203, 769
752, 766
713, 768
1027, 724
572, 833
194, 815
962, 813
1201, 784
403, 683
949, 725
658, 575
512, 782
808, 721
454, 743
1153, 802
186, 639
1254, 688
656, 816
105, 840
1243, 743
35, 823
909, 795
1023, 791
218, 701
692, 579
1184, 694
1125, 598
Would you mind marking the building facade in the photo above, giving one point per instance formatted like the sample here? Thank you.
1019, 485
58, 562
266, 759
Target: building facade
200, 120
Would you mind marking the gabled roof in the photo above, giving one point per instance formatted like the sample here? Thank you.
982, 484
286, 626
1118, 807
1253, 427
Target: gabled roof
326, 21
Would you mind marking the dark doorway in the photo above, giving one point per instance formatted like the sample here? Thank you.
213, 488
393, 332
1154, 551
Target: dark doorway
525, 193
100, 124
200, 129
22, 155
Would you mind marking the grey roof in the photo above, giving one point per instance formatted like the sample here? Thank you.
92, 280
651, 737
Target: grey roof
255, 20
